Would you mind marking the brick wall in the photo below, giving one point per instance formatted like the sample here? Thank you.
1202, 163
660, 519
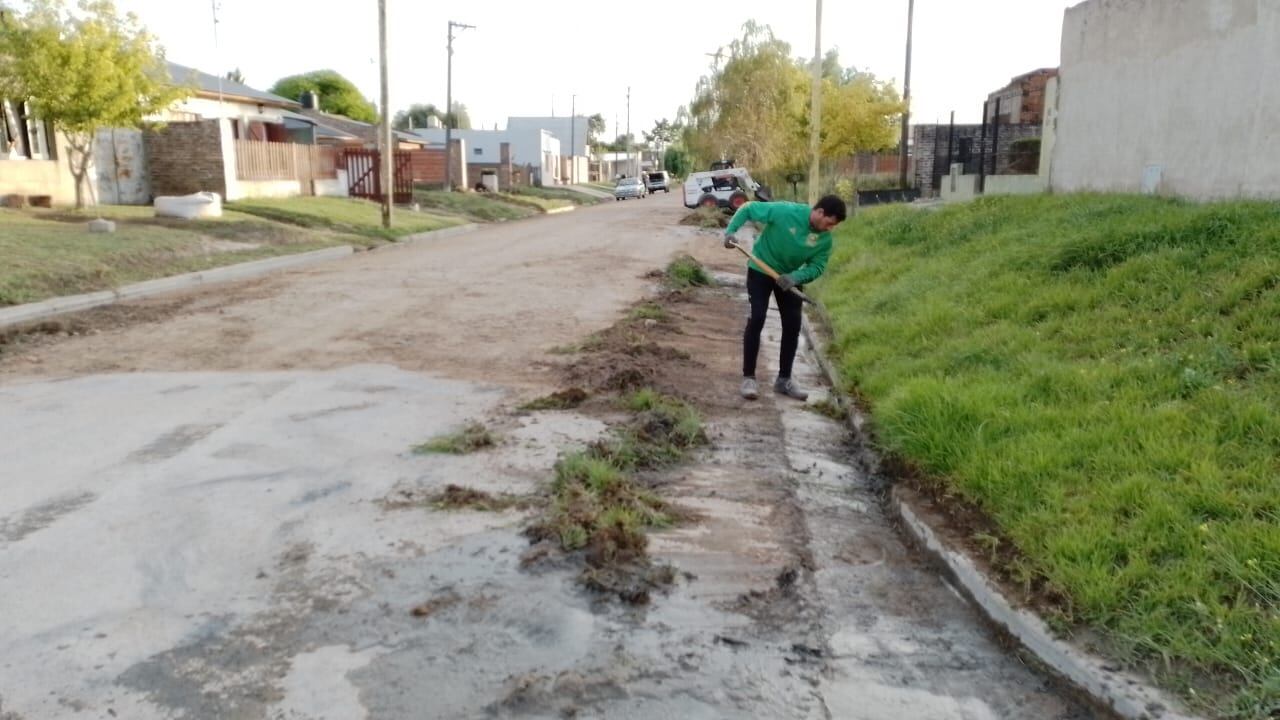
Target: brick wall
428, 165
929, 137
185, 158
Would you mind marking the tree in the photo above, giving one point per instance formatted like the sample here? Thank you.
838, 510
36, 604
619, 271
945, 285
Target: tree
417, 116
338, 95
595, 128
859, 113
754, 107
421, 114
83, 70
458, 118
663, 134
236, 76
677, 161
620, 144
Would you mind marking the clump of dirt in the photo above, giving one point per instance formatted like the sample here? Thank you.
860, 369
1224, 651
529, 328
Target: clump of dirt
630, 356
440, 602
457, 497
453, 497
561, 400
632, 583
706, 218
475, 436
600, 508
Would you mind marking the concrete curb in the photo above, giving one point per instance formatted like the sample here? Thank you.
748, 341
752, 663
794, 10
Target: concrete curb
440, 234
53, 307
75, 303
557, 211
1125, 694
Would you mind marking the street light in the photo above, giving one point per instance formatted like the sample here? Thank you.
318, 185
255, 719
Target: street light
448, 110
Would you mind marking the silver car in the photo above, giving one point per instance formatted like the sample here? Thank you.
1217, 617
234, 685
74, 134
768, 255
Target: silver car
629, 188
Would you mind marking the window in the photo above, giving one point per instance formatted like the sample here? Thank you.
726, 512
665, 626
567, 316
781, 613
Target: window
478, 151
24, 136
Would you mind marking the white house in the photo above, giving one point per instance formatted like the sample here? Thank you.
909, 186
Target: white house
574, 136
530, 145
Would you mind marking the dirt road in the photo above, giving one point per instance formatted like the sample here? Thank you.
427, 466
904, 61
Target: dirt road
201, 510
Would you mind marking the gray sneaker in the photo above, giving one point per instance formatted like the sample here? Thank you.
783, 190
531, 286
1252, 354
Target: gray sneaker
788, 387
750, 390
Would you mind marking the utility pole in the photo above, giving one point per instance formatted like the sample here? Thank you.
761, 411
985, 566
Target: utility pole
906, 101
573, 140
449, 117
815, 122
629, 143
388, 150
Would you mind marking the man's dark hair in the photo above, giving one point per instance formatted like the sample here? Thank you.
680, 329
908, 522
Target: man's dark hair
833, 207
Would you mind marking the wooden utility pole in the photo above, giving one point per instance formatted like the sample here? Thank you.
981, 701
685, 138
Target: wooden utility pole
815, 122
388, 150
906, 101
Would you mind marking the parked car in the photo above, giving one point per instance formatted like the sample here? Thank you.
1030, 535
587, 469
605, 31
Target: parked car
729, 188
659, 180
629, 187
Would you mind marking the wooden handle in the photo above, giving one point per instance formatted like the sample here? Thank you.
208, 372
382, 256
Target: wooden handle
773, 273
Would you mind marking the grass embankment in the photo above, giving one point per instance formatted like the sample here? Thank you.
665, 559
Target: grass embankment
344, 215
51, 253
572, 197
1101, 376
481, 207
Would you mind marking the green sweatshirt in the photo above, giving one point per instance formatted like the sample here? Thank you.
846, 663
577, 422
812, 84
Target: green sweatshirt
786, 244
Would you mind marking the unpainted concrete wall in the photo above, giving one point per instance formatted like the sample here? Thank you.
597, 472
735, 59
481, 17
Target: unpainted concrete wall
1185, 87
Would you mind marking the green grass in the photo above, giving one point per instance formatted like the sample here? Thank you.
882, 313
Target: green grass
649, 311
469, 439
345, 215
482, 207
596, 499
50, 254
1102, 376
554, 193
534, 202
685, 272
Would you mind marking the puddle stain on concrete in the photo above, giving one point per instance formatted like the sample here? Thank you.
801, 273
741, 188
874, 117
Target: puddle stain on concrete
173, 443
41, 516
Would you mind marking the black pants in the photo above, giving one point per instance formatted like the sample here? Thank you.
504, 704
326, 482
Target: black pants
759, 287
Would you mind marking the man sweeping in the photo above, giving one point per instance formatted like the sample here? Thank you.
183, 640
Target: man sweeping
795, 242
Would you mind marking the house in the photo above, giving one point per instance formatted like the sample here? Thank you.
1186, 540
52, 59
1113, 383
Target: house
330, 129
573, 134
1168, 97
227, 138
1021, 102
33, 167
534, 152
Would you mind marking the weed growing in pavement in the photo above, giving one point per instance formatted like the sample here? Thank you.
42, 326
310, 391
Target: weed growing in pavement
599, 506
685, 272
457, 497
827, 407
649, 311
469, 439
561, 400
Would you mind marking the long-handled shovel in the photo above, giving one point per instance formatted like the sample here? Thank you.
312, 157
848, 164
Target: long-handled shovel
773, 273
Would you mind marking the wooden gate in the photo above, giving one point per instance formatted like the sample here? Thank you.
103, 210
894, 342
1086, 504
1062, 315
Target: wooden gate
364, 175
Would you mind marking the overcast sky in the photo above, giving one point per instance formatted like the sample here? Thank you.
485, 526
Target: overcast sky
528, 56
